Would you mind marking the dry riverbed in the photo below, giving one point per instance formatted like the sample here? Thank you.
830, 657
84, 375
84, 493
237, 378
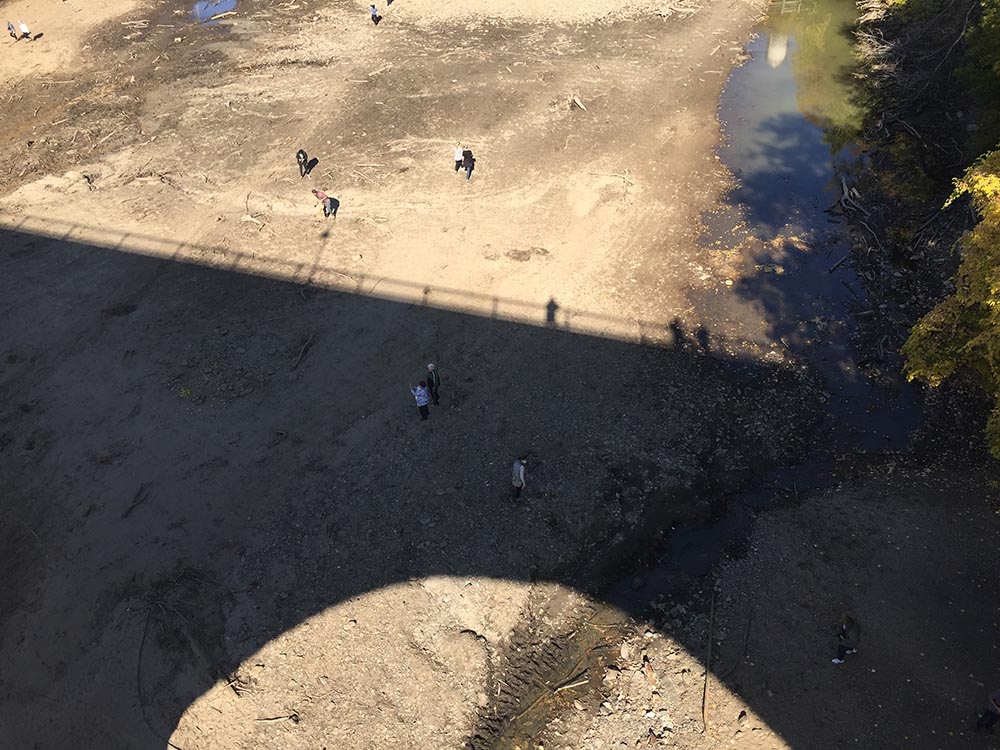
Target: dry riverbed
226, 525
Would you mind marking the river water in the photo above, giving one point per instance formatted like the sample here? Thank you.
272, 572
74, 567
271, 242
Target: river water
204, 11
789, 126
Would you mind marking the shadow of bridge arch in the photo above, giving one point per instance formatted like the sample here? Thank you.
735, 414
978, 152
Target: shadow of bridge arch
243, 451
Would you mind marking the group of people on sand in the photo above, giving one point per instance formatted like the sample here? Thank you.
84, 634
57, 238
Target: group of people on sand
464, 159
21, 31
427, 392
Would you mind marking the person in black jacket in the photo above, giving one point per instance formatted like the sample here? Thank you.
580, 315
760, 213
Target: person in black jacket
848, 638
468, 162
303, 159
433, 382
991, 715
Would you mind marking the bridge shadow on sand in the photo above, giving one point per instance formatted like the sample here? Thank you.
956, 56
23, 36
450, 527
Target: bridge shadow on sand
196, 460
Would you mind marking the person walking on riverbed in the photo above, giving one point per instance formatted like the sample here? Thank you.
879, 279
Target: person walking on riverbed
848, 638
422, 397
517, 478
329, 204
433, 382
468, 162
991, 715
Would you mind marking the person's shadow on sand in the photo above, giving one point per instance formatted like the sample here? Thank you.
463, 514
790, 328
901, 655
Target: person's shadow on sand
550, 312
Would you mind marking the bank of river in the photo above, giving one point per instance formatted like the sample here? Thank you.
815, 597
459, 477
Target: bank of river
788, 123
788, 118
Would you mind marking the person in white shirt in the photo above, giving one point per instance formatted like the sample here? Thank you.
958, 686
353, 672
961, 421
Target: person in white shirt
458, 157
25, 31
517, 479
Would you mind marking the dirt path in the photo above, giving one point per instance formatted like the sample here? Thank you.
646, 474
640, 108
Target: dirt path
228, 526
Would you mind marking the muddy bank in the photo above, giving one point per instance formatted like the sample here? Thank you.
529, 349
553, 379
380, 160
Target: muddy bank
918, 131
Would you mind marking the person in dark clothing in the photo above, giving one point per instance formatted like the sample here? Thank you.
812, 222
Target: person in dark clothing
433, 382
468, 162
848, 638
991, 715
303, 159
330, 205
13, 35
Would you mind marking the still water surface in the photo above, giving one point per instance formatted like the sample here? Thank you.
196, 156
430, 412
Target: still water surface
202, 12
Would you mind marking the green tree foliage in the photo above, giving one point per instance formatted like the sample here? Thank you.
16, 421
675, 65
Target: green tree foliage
963, 331
982, 71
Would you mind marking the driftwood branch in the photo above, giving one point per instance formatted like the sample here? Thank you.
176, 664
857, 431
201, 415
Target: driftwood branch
576, 680
303, 350
140, 496
708, 666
